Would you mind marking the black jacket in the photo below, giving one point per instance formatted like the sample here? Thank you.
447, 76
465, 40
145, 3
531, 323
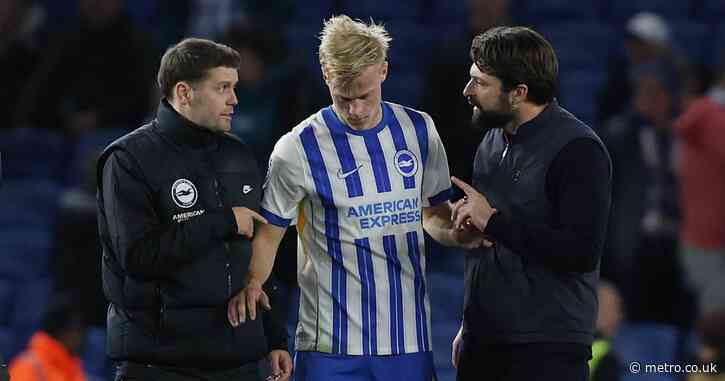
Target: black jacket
171, 255
551, 183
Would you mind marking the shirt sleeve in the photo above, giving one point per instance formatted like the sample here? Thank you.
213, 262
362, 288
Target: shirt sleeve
436, 175
284, 185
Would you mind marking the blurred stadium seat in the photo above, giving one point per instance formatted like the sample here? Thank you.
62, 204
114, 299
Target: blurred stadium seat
387, 12
546, 11
647, 343
621, 10
34, 153
691, 38
314, 12
580, 45
7, 293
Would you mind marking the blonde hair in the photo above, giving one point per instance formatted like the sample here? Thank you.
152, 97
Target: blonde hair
347, 47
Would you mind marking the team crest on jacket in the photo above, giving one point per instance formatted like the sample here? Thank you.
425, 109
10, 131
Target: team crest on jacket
406, 163
184, 194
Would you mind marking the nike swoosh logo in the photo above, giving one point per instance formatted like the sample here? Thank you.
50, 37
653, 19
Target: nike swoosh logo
343, 175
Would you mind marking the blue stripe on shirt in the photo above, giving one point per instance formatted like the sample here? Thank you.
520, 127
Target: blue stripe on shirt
397, 334
377, 158
348, 165
421, 132
332, 232
421, 319
363, 251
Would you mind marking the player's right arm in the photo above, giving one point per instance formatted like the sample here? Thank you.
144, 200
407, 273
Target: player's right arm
264, 251
283, 191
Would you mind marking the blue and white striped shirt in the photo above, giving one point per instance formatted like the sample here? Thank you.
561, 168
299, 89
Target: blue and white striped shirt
357, 199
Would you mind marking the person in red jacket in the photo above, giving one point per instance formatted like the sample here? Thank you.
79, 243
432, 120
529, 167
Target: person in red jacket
701, 129
51, 354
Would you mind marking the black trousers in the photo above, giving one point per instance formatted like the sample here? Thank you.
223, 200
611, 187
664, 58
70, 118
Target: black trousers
128, 371
524, 362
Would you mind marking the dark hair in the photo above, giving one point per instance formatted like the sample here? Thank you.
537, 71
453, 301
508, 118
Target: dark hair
518, 55
190, 60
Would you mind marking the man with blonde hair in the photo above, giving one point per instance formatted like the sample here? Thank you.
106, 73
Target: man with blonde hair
359, 178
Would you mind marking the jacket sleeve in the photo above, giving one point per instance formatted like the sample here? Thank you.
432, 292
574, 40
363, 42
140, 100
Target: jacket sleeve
145, 246
578, 183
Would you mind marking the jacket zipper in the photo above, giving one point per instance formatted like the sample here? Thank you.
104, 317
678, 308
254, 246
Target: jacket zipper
227, 265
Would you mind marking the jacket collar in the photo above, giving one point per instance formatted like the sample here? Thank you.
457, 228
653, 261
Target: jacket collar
181, 130
537, 124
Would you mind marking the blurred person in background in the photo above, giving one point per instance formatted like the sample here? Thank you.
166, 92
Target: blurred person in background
701, 174
648, 38
21, 40
96, 73
270, 91
176, 213
605, 364
445, 76
53, 352
643, 231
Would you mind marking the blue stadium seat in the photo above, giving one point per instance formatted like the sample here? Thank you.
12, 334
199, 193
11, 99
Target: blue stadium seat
28, 203
8, 343
30, 300
621, 10
7, 293
715, 58
410, 47
314, 12
647, 343
403, 88
403, 10
303, 40
580, 45
542, 11
445, 12
86, 146
94, 357
578, 93
443, 332
34, 153
713, 11
692, 39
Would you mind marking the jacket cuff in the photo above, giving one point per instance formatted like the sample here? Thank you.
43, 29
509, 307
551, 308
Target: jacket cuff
497, 225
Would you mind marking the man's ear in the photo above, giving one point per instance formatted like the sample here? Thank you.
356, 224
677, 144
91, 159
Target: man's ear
384, 71
183, 92
518, 94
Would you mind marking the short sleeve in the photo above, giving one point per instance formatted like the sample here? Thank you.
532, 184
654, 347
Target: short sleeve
284, 184
436, 175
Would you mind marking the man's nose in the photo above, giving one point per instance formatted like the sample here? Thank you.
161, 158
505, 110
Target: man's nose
356, 107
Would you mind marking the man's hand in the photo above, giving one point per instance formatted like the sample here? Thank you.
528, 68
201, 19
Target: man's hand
245, 220
474, 209
281, 364
246, 301
457, 348
470, 238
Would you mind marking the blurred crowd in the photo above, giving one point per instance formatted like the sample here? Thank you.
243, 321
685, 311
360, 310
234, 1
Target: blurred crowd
648, 76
